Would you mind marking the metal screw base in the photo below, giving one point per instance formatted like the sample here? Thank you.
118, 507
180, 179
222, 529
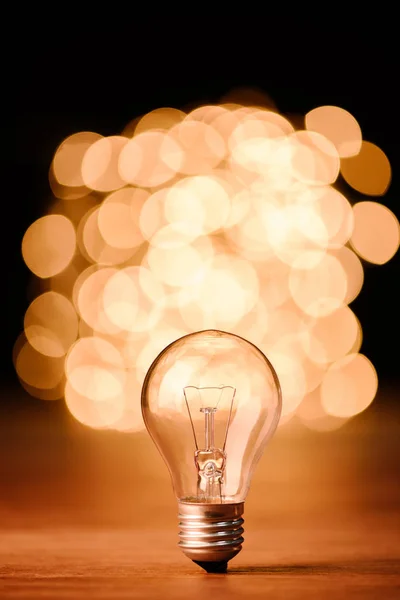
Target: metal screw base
211, 534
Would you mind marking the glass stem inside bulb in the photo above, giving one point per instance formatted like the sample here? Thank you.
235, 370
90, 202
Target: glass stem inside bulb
210, 462
209, 427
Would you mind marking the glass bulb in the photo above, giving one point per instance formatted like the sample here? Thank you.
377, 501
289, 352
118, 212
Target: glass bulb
211, 401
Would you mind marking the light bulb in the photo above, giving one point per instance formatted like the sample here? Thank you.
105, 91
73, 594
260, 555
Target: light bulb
211, 401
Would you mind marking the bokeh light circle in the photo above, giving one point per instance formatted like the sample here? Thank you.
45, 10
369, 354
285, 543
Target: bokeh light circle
51, 324
349, 386
49, 245
67, 161
376, 235
369, 172
338, 126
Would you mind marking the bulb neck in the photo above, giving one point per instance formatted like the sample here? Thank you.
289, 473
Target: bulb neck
211, 534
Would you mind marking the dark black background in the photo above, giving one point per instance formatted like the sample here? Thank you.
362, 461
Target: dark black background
98, 79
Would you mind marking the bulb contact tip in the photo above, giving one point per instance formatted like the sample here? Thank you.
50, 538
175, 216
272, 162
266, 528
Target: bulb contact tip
213, 567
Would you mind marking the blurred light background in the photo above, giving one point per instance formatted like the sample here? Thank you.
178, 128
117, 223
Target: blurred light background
265, 206
222, 217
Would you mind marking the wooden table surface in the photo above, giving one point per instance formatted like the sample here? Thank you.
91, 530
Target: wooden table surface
87, 514
344, 562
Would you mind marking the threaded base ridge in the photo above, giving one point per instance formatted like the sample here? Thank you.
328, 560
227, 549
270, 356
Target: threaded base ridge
211, 533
